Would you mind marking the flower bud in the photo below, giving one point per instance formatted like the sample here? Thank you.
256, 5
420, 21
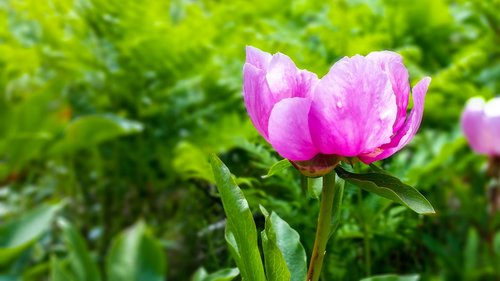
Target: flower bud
481, 125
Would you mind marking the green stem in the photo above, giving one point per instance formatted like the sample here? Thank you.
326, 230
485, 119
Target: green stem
323, 230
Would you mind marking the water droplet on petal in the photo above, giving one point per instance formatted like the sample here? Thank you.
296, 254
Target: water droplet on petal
339, 104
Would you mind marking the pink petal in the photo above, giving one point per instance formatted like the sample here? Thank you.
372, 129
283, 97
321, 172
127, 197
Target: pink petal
306, 82
392, 64
257, 58
401, 87
409, 129
353, 108
267, 80
289, 129
385, 57
258, 99
282, 76
492, 126
473, 126
285, 80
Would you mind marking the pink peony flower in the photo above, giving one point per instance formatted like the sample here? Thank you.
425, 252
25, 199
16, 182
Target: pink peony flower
481, 125
358, 109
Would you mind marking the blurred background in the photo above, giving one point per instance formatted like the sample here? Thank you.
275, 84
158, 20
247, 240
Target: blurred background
109, 110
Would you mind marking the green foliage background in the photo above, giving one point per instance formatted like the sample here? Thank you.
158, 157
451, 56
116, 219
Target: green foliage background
109, 109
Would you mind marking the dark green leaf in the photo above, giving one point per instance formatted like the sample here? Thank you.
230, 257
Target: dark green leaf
393, 277
379, 170
241, 234
389, 187
80, 260
471, 253
136, 255
36, 272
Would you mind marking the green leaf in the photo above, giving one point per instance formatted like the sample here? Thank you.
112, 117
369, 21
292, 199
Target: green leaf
226, 274
58, 271
379, 170
278, 167
275, 264
18, 234
190, 162
80, 260
241, 234
496, 243
284, 254
276, 269
36, 271
136, 255
94, 129
389, 187
471, 252
393, 277
200, 274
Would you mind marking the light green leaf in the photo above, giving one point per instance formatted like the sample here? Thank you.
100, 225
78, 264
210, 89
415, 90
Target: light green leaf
18, 234
200, 274
94, 129
80, 260
278, 167
496, 243
275, 264
190, 162
136, 255
393, 277
58, 271
285, 256
241, 234
389, 187
276, 269
226, 274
